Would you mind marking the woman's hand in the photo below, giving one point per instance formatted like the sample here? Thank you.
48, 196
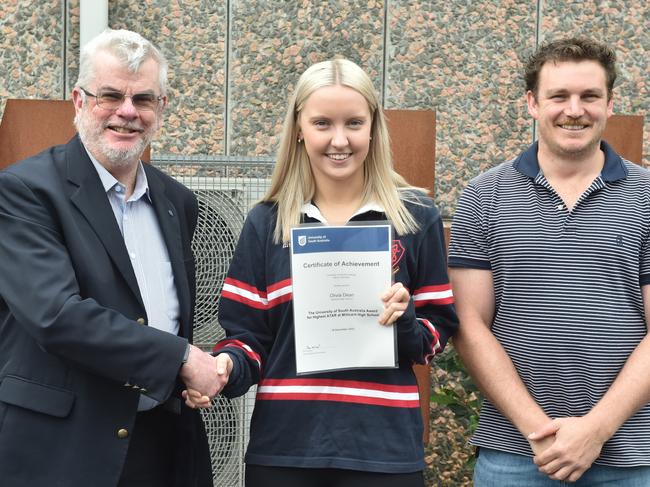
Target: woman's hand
195, 399
395, 300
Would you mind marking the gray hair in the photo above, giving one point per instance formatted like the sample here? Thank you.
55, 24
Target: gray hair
129, 47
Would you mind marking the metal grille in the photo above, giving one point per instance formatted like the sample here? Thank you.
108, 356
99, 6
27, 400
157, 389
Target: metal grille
226, 188
220, 221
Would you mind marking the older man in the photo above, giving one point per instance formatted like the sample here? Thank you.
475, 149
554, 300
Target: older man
550, 257
97, 295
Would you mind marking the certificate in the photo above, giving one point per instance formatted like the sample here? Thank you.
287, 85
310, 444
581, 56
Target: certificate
338, 276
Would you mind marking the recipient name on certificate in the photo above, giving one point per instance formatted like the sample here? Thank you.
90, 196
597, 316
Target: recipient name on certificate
338, 276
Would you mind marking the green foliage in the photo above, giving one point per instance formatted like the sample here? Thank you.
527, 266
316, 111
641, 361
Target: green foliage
454, 409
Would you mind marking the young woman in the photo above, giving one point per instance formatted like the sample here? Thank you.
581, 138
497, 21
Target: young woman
341, 428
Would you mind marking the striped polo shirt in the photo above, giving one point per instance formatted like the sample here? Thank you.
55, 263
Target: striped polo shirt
567, 284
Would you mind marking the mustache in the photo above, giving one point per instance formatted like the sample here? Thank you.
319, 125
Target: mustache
573, 121
136, 127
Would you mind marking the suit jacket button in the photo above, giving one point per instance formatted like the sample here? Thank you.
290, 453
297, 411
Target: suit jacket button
140, 321
122, 433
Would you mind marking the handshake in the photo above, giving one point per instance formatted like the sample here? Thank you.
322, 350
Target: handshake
204, 376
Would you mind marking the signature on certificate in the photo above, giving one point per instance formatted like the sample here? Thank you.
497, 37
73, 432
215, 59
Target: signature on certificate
312, 349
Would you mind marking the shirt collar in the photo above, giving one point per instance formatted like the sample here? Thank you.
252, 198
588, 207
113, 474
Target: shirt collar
109, 181
312, 211
614, 169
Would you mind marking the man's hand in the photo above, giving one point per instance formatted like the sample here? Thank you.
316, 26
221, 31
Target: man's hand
577, 444
538, 446
200, 372
194, 397
396, 300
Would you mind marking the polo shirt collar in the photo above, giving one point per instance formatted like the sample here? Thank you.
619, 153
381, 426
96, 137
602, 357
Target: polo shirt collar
613, 170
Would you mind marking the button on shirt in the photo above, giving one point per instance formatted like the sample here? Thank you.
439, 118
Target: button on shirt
146, 248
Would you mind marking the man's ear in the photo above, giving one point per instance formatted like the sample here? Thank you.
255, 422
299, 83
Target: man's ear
610, 106
531, 101
77, 99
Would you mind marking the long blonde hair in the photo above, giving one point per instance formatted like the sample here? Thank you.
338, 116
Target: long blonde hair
292, 182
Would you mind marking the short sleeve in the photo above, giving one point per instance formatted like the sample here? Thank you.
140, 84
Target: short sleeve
468, 246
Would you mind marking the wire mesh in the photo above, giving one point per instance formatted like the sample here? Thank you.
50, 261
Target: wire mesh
226, 424
226, 189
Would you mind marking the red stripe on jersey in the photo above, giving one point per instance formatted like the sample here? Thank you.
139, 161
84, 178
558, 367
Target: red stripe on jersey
433, 289
437, 295
435, 344
244, 286
251, 296
243, 300
278, 285
340, 383
241, 345
376, 401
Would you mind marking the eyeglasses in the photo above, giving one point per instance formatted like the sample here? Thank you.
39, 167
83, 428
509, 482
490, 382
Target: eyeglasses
112, 100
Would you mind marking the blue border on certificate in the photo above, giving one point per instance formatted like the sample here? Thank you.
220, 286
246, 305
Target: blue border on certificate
340, 239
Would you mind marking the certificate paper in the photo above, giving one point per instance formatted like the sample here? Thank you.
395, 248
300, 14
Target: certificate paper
338, 276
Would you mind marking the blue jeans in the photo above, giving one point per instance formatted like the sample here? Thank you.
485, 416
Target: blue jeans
501, 469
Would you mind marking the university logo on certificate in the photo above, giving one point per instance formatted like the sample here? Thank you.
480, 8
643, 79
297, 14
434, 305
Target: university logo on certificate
338, 276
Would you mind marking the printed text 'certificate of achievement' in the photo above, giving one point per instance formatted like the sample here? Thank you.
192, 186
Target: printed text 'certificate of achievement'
338, 276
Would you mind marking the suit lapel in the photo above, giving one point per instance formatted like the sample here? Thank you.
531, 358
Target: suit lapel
170, 226
89, 197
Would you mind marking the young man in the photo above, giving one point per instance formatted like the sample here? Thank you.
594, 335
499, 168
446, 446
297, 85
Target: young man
550, 266
97, 295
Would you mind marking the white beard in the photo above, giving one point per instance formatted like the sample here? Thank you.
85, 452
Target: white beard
91, 135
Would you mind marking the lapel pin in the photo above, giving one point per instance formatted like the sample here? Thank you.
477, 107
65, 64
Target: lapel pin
171, 213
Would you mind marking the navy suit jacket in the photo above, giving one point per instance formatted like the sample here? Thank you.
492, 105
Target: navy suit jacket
74, 354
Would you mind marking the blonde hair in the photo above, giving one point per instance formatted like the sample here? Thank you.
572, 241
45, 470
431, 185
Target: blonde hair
292, 182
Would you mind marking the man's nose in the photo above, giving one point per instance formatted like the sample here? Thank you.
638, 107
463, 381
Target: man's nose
127, 109
574, 107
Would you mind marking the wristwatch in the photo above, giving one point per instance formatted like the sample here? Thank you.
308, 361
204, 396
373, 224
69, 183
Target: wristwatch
186, 355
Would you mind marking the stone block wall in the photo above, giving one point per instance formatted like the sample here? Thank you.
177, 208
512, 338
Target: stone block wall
234, 63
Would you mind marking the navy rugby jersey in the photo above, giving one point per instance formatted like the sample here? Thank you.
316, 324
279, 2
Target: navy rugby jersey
355, 419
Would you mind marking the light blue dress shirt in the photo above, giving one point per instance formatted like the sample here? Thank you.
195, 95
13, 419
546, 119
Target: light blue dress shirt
148, 253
